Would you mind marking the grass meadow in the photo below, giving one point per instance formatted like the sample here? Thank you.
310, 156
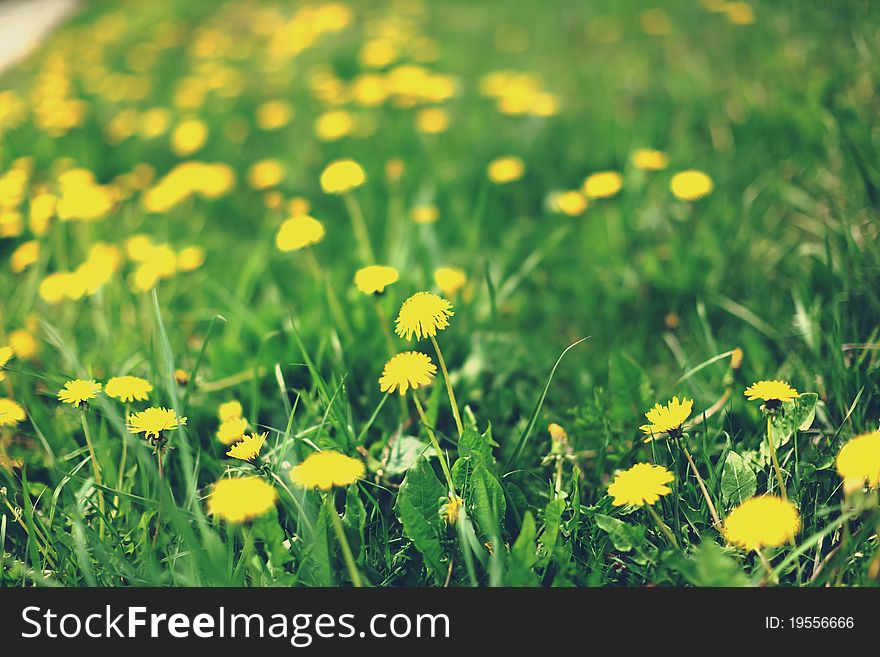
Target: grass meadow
623, 215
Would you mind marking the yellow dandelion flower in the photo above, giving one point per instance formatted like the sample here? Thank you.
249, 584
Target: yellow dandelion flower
642, 484
24, 256
774, 393
451, 509
506, 169
265, 174
79, 391
603, 184
188, 137
181, 377
760, 522
570, 203
11, 413
298, 206
432, 120
739, 13
410, 369
375, 278
424, 214
299, 232
248, 449
242, 499
128, 388
342, 176
450, 280
334, 125
273, 114
691, 185
190, 258
327, 469
668, 418
649, 159
230, 410
6, 354
23, 344
858, 462
153, 421
232, 430
423, 314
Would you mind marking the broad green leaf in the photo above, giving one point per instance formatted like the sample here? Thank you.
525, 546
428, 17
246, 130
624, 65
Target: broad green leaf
738, 480
623, 535
483, 497
711, 566
418, 508
316, 567
472, 443
404, 452
354, 520
549, 537
523, 555
796, 415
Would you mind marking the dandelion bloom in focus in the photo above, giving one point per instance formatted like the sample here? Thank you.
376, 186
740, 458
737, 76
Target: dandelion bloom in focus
668, 418
239, 500
423, 314
327, 469
299, 232
858, 462
649, 159
342, 176
128, 388
450, 280
691, 185
506, 170
603, 184
232, 430
265, 174
11, 413
410, 369
248, 448
375, 278
642, 484
229, 410
153, 421
79, 391
761, 522
773, 392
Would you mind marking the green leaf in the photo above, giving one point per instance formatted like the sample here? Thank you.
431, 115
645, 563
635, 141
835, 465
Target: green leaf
738, 480
353, 521
552, 520
624, 536
418, 508
711, 566
523, 555
316, 567
797, 415
404, 452
483, 496
473, 444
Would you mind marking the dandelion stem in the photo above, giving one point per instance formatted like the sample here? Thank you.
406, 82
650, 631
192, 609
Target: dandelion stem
353, 572
452, 402
445, 466
96, 468
330, 292
715, 518
662, 525
774, 459
766, 563
124, 449
360, 228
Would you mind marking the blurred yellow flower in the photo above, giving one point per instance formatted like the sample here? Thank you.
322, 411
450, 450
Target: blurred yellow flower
23, 344
691, 185
188, 137
506, 169
342, 176
273, 114
450, 280
771, 391
154, 421
410, 369
650, 159
642, 484
190, 258
84, 202
375, 278
6, 354
155, 122
248, 448
11, 224
327, 469
232, 430
668, 418
858, 462
265, 174
571, 203
603, 184
432, 120
422, 315
297, 206
299, 232
128, 388
79, 391
11, 413
761, 522
242, 499
424, 214
42, 210
230, 410
24, 256
334, 125
739, 13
